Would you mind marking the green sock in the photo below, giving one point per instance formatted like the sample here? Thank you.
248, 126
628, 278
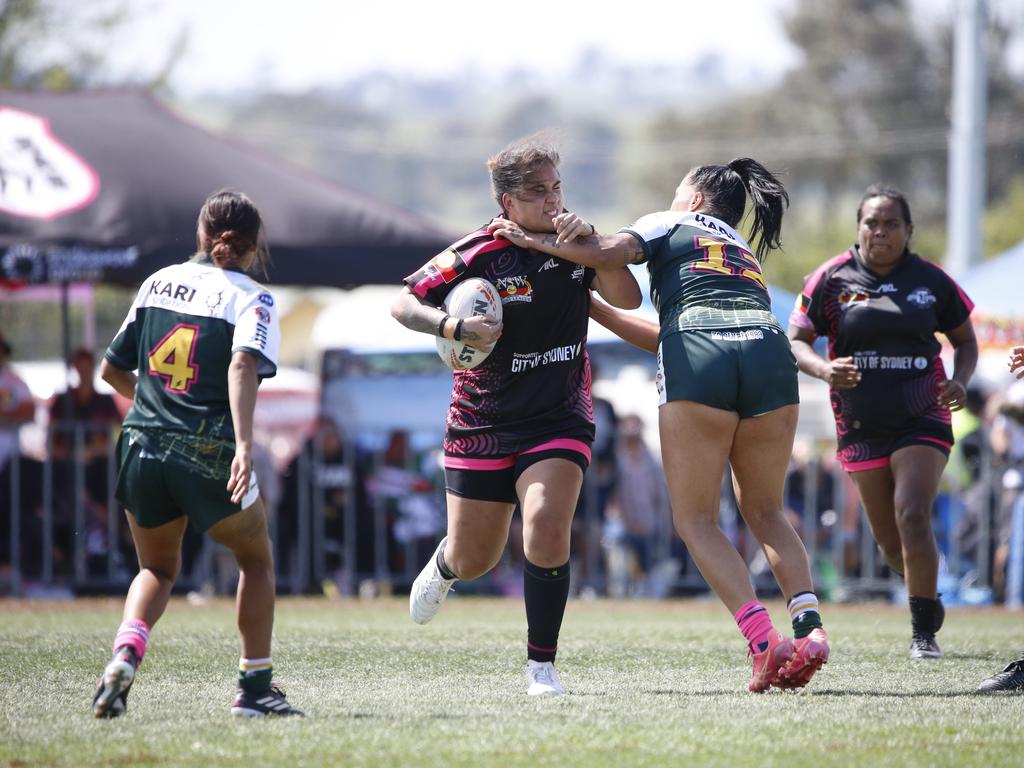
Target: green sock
255, 675
803, 610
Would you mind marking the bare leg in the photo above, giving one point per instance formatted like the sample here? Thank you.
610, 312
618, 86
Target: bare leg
477, 532
696, 440
245, 534
876, 488
917, 470
760, 454
159, 552
548, 491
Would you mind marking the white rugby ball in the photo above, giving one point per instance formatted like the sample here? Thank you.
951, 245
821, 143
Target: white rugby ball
470, 298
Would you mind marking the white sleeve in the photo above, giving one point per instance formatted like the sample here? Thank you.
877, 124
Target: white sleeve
651, 229
654, 225
258, 330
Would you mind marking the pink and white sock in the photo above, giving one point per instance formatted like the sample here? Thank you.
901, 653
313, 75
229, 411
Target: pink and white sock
135, 634
755, 624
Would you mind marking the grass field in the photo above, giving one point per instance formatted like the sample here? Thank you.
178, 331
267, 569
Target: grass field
651, 684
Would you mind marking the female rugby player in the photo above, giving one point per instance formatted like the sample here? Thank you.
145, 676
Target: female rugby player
520, 425
201, 335
728, 389
880, 306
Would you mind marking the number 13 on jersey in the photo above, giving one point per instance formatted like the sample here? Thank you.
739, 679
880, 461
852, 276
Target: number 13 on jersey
728, 260
173, 358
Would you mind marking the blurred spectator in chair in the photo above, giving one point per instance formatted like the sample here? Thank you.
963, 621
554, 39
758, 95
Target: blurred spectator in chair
637, 511
83, 411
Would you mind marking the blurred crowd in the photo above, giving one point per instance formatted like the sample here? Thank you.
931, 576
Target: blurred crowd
356, 514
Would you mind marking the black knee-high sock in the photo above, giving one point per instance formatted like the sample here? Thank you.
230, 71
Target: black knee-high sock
442, 566
926, 615
546, 591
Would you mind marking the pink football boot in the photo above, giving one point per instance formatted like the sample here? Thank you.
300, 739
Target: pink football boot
770, 662
811, 652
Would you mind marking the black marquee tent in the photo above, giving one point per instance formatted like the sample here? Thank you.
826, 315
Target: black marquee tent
105, 186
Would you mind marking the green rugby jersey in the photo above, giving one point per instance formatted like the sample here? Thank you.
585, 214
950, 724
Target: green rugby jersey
184, 325
703, 274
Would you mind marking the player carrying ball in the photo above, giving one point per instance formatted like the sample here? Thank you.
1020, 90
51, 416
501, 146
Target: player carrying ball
520, 425
728, 387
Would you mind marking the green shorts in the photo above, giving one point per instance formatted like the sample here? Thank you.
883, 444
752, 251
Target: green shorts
157, 491
749, 371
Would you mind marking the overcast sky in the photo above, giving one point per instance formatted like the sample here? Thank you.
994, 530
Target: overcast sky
233, 44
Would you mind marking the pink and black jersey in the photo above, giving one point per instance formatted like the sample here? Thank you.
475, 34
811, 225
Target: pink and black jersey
536, 381
888, 325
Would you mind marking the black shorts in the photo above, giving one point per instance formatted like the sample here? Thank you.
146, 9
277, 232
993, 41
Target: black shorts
863, 448
493, 478
749, 371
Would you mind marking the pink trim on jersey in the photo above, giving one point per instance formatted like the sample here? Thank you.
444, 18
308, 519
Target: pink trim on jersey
462, 462
798, 317
562, 443
864, 466
936, 440
963, 296
437, 278
815, 278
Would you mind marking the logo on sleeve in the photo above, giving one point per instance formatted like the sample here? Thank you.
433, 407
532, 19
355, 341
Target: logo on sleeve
262, 315
266, 299
448, 264
922, 297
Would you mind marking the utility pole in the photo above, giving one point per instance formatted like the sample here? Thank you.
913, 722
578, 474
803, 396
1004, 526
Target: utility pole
967, 155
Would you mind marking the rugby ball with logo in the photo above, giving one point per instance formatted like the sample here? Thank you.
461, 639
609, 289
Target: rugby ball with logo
470, 298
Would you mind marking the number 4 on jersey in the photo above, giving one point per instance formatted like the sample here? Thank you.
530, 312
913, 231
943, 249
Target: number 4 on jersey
173, 358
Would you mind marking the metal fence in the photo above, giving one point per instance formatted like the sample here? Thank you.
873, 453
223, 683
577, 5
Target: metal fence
363, 515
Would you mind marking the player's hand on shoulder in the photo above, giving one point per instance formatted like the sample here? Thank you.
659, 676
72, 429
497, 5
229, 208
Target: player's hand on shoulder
842, 373
569, 226
481, 331
1016, 363
510, 231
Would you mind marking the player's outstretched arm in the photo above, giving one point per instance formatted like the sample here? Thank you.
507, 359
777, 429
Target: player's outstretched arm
594, 250
637, 331
618, 287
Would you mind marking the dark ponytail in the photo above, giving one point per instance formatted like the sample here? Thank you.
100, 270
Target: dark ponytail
725, 189
229, 228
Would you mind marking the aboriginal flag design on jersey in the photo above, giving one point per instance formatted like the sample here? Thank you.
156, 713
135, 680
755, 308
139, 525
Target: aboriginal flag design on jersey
536, 381
888, 325
184, 325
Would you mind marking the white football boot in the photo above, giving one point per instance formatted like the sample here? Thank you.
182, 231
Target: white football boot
429, 590
543, 679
